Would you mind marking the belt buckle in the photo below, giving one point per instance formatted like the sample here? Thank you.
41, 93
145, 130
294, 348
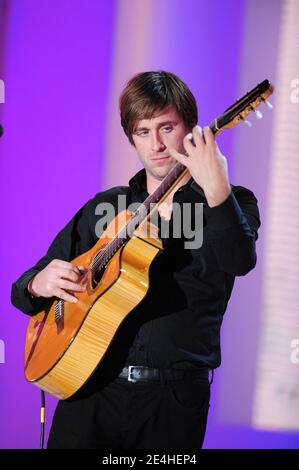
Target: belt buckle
129, 372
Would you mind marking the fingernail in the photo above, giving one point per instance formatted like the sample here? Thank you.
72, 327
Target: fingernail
189, 136
199, 129
75, 301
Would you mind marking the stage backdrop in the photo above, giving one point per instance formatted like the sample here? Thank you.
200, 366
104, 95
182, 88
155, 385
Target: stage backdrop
62, 67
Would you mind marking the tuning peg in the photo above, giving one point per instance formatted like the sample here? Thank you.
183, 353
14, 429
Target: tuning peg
270, 106
258, 114
247, 123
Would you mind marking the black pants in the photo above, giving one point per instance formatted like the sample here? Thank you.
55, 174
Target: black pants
141, 415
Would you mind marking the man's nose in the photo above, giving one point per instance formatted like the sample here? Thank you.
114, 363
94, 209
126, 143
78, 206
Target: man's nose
157, 142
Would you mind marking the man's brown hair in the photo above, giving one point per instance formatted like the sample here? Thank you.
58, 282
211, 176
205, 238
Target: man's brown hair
148, 93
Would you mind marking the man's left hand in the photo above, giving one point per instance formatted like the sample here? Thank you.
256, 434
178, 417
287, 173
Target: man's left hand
206, 164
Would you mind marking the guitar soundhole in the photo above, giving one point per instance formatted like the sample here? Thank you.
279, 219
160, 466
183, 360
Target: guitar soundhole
97, 276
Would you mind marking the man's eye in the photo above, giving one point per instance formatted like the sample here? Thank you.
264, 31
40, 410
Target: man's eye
167, 129
142, 133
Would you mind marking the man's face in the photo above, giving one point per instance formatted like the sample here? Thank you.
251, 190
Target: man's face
153, 137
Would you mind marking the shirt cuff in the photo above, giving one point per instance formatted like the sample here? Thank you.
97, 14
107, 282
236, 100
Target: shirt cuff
22, 298
225, 215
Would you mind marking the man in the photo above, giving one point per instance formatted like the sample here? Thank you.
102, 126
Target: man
173, 336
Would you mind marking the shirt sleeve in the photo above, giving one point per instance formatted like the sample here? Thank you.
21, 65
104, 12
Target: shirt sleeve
75, 238
233, 227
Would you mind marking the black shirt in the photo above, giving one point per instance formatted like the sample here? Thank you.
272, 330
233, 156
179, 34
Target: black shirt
178, 323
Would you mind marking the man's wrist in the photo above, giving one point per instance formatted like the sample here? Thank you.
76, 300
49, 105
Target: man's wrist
32, 293
217, 198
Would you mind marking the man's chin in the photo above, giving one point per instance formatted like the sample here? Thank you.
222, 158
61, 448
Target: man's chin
161, 174
162, 171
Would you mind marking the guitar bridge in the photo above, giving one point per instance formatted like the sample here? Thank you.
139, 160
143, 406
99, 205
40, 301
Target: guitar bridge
59, 311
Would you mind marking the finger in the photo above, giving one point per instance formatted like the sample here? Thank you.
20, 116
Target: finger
81, 270
78, 268
66, 266
209, 137
78, 272
61, 264
189, 143
61, 294
216, 145
64, 284
178, 156
198, 137
68, 274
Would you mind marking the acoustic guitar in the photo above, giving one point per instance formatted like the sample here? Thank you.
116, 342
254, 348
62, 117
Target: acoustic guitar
66, 342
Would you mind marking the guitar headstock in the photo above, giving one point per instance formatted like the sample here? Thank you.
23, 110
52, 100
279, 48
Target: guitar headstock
243, 107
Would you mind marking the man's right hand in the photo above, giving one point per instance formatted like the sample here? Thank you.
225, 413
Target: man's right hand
58, 279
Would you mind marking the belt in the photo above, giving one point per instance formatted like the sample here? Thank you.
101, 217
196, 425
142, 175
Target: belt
143, 373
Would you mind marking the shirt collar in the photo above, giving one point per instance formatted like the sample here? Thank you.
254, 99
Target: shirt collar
138, 184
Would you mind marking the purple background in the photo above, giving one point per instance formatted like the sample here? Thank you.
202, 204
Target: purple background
57, 59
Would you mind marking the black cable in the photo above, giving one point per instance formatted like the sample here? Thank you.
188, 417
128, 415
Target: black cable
42, 419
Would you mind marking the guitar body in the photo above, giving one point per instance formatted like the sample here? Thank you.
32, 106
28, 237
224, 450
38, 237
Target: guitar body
61, 353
